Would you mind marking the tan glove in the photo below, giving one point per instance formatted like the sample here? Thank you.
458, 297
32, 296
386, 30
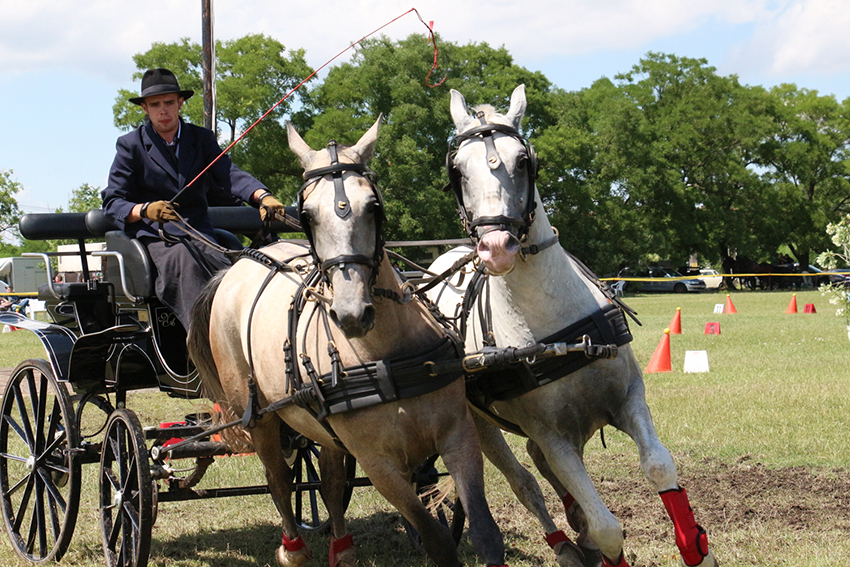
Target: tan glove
270, 207
160, 211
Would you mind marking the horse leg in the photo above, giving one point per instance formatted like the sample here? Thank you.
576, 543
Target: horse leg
293, 552
397, 489
526, 489
566, 463
461, 454
660, 469
575, 515
332, 467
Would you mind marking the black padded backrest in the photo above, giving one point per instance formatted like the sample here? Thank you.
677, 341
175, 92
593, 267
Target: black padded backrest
138, 267
227, 239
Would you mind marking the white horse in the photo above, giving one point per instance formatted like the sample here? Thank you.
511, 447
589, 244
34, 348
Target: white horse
347, 352
531, 291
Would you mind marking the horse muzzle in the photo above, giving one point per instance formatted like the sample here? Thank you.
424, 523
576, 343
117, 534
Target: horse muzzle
352, 310
498, 250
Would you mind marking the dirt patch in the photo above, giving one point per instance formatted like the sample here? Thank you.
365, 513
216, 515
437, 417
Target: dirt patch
735, 495
751, 511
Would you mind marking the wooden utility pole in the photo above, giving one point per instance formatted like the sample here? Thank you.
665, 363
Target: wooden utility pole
208, 64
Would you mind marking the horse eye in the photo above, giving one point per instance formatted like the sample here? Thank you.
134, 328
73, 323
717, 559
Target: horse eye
521, 162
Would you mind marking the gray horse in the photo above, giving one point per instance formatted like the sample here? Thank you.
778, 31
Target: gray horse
534, 290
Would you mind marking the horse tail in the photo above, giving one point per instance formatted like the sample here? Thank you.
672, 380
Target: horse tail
198, 341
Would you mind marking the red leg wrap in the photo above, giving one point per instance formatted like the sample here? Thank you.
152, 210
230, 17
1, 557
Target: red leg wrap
555, 538
338, 546
620, 563
568, 501
690, 537
293, 544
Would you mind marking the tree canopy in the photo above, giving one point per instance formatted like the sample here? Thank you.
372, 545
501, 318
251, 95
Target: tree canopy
664, 161
10, 214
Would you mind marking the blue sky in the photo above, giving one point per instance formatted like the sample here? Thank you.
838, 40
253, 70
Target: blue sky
62, 63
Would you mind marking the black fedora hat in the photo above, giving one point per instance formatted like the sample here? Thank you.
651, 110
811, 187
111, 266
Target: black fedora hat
157, 82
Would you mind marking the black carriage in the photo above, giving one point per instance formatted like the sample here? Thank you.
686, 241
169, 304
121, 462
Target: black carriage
110, 335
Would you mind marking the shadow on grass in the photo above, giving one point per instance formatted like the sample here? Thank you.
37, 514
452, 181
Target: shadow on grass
380, 538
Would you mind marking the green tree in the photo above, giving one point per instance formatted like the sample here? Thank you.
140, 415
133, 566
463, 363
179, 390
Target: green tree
10, 214
84, 199
387, 77
807, 164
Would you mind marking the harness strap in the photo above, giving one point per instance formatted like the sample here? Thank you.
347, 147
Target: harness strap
383, 381
343, 207
538, 248
606, 326
447, 273
252, 407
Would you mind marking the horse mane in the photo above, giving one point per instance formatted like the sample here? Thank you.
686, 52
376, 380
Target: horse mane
490, 114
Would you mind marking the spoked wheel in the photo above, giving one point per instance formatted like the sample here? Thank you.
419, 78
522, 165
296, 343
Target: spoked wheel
39, 463
449, 512
310, 511
125, 492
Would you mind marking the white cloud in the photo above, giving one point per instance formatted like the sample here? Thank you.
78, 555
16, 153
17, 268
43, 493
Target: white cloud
802, 37
100, 36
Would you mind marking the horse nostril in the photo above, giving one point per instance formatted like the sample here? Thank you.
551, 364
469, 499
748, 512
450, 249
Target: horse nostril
368, 318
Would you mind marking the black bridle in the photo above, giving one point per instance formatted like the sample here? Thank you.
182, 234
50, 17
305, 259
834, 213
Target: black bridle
343, 210
518, 226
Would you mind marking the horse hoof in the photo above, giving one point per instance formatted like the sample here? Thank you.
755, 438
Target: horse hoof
592, 557
707, 561
568, 554
347, 558
292, 558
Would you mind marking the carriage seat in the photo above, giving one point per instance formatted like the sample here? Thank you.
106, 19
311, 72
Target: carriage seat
138, 266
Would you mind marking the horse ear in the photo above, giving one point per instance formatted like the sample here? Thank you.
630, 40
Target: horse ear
518, 104
298, 146
460, 114
365, 146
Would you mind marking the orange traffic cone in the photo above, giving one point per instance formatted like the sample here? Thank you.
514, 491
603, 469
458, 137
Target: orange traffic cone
730, 307
660, 361
792, 307
676, 323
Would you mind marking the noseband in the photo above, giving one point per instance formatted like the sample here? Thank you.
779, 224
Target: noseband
342, 209
484, 131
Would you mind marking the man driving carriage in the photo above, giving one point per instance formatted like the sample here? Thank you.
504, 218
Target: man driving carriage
152, 184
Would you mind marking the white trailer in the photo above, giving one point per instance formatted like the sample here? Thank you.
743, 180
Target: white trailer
23, 274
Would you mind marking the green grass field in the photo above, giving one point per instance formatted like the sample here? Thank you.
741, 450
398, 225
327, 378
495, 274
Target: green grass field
760, 441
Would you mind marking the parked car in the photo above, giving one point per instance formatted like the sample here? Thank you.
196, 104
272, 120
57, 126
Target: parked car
712, 278
662, 279
836, 276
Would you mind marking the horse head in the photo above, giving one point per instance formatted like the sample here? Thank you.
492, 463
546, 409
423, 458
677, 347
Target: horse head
341, 213
492, 168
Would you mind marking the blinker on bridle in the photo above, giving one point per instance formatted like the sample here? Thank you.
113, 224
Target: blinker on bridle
484, 131
342, 208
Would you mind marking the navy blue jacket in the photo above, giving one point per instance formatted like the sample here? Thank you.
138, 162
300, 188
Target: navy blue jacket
142, 172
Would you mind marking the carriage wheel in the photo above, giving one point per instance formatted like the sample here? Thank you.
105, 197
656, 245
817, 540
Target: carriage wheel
449, 512
125, 492
39, 463
311, 515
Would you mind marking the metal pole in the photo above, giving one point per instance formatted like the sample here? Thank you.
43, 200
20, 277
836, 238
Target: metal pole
208, 64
